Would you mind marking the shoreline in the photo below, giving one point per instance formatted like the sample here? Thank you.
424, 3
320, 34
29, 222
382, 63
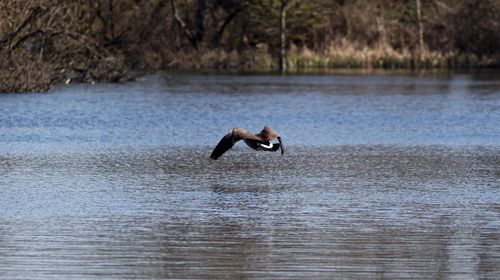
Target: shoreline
37, 77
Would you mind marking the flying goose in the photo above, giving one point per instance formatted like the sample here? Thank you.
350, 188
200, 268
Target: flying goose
258, 142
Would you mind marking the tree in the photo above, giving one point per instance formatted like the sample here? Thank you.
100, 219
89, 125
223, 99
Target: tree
282, 59
420, 31
222, 12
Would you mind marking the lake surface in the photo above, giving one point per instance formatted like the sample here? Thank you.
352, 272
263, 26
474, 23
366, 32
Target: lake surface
385, 176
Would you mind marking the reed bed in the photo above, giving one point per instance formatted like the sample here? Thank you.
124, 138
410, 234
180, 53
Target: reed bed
383, 57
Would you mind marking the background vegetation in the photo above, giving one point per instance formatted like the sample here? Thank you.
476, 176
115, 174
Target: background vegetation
43, 42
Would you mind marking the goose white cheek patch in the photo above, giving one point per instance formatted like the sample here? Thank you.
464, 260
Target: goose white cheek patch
267, 146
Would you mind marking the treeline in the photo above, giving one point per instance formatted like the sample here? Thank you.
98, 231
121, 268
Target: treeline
43, 42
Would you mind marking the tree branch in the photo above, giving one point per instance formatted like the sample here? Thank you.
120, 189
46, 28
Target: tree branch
33, 34
153, 22
191, 37
35, 12
225, 23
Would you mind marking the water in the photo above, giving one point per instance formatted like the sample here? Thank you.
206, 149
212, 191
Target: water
385, 176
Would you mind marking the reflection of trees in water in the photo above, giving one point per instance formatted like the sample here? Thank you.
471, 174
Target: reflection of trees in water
346, 212
224, 241
488, 256
248, 235
233, 239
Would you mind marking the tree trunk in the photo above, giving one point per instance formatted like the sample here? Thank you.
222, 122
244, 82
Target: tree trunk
191, 37
420, 32
200, 20
380, 19
282, 58
111, 19
223, 25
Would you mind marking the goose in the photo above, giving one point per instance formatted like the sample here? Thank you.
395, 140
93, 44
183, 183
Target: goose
258, 142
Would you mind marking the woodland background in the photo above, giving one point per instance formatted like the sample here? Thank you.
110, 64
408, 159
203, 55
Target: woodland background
51, 41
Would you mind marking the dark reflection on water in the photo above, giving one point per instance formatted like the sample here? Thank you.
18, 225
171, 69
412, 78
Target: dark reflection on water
329, 212
386, 176
307, 110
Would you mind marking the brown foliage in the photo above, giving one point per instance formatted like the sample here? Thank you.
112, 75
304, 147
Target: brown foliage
43, 42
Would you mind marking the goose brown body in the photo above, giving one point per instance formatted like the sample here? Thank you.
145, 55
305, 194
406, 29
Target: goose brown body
260, 141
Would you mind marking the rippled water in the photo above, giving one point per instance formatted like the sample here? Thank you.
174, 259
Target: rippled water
385, 176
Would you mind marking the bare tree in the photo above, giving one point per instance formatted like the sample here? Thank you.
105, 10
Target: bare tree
191, 37
200, 20
420, 31
201, 34
282, 58
232, 12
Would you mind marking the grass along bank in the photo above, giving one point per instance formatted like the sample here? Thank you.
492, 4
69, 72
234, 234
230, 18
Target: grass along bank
384, 57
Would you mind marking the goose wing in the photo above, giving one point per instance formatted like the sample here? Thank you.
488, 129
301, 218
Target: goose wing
228, 141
